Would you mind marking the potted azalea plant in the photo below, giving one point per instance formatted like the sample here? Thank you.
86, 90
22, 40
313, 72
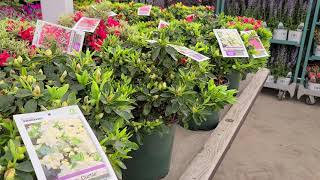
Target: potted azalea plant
313, 77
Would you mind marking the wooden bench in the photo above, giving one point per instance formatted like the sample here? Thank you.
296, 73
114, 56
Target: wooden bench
198, 154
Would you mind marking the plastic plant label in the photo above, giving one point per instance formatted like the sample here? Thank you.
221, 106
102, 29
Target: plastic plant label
230, 43
144, 10
111, 13
190, 53
67, 39
151, 41
255, 42
162, 24
62, 146
86, 24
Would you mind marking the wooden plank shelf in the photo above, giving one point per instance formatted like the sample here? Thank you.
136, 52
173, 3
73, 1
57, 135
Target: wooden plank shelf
285, 42
198, 154
314, 58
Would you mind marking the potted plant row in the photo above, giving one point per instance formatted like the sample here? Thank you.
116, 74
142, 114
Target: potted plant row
131, 92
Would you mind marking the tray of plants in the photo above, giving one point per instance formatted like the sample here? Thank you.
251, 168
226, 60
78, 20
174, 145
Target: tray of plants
148, 81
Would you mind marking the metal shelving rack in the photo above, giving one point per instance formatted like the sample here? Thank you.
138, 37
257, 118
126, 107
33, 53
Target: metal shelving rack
309, 57
291, 88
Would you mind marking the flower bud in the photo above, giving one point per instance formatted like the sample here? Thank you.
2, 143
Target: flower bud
99, 116
98, 75
48, 52
64, 104
9, 174
78, 68
36, 91
64, 75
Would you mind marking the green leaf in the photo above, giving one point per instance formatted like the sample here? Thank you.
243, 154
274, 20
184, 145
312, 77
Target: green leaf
25, 166
155, 53
62, 91
6, 102
30, 106
126, 114
22, 93
20, 175
147, 108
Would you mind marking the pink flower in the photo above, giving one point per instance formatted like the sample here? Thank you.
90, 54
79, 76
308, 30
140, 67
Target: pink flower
318, 75
4, 56
112, 22
231, 23
190, 18
210, 8
312, 75
308, 68
77, 16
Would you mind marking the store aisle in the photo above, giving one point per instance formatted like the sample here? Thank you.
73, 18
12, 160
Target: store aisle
280, 140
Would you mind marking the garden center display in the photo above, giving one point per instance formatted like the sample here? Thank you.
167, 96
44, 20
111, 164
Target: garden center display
132, 79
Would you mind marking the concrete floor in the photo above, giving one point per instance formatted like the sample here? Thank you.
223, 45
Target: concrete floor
280, 140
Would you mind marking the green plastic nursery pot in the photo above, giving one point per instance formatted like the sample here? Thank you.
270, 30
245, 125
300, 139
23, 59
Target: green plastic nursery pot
211, 123
234, 80
152, 160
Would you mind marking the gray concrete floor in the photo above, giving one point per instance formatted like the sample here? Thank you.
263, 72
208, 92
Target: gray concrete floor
280, 140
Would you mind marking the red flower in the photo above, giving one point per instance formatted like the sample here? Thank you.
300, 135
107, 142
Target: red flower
256, 26
251, 20
27, 34
318, 75
183, 61
77, 16
112, 22
4, 56
189, 18
117, 33
245, 20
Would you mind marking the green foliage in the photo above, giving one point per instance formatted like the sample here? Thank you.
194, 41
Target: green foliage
9, 43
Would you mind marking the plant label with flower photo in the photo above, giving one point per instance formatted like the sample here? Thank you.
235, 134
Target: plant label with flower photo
62, 146
189, 53
162, 24
144, 10
255, 42
230, 42
67, 39
86, 24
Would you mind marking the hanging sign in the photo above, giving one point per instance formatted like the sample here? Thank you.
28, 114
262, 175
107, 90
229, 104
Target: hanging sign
144, 10
67, 39
162, 24
190, 53
230, 42
86, 24
255, 42
62, 146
